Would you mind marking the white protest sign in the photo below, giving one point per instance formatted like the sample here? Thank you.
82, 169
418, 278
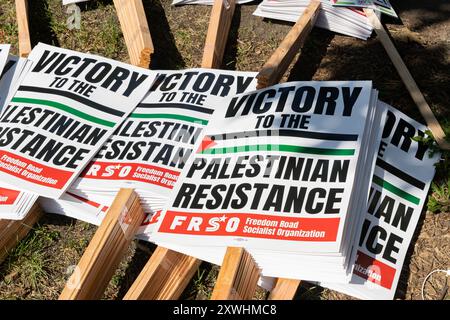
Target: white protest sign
403, 174
64, 110
150, 149
4, 51
383, 6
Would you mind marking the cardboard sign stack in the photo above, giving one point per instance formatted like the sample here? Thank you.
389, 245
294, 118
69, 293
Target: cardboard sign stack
271, 180
55, 119
66, 2
348, 21
382, 6
398, 192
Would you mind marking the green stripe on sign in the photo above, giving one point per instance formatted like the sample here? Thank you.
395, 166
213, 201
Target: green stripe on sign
281, 147
168, 116
65, 108
399, 192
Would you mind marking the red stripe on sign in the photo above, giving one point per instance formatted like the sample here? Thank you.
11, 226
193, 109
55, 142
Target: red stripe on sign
131, 171
8, 196
87, 201
251, 225
374, 270
32, 171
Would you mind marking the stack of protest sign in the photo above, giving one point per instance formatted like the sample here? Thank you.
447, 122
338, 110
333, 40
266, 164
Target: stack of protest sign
348, 21
204, 2
14, 204
66, 2
400, 182
60, 112
202, 211
4, 52
319, 181
382, 6
150, 149
282, 173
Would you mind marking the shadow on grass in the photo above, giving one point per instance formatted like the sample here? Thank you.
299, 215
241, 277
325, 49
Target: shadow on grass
40, 23
166, 54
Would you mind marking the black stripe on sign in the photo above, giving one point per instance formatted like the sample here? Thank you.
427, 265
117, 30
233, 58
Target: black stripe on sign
74, 97
286, 133
400, 174
177, 106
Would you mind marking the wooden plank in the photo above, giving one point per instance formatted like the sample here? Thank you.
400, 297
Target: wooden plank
273, 70
106, 249
284, 289
133, 22
218, 29
12, 231
23, 28
238, 276
408, 80
164, 277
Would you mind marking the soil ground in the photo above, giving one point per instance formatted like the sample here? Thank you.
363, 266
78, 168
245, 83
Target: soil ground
41, 263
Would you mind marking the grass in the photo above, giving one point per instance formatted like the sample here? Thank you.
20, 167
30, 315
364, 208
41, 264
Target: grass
439, 200
29, 263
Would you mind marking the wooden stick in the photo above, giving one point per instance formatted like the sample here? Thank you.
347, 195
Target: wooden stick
238, 276
23, 29
164, 277
106, 249
285, 289
219, 27
408, 80
273, 70
133, 22
12, 231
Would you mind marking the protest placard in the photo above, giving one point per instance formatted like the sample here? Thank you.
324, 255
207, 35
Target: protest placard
400, 183
14, 204
348, 21
64, 110
150, 149
383, 6
242, 188
4, 51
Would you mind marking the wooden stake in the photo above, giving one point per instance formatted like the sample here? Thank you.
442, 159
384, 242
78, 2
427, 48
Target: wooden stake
218, 29
164, 277
408, 80
133, 22
285, 289
23, 29
238, 276
12, 231
106, 249
273, 70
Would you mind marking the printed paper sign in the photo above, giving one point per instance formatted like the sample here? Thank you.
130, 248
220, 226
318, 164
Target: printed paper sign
64, 110
150, 149
382, 6
276, 168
